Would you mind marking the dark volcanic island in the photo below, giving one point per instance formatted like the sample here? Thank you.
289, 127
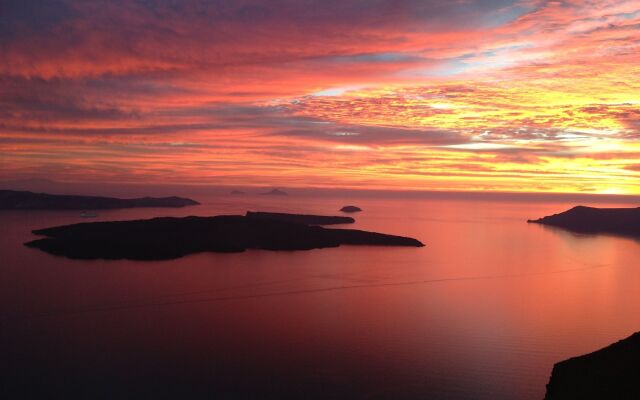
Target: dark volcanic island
302, 218
168, 238
21, 200
609, 373
581, 219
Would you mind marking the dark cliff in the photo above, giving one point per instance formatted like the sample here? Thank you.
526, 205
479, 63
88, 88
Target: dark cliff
609, 373
167, 238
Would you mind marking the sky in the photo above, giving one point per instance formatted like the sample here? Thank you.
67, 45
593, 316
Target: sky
515, 96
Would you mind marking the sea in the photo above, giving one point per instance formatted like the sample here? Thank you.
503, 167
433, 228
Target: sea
483, 311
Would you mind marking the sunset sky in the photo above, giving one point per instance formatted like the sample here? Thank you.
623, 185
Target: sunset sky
533, 96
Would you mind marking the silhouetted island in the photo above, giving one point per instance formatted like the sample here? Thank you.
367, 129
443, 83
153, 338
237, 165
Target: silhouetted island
350, 209
609, 373
276, 192
237, 192
302, 218
581, 219
22, 200
167, 238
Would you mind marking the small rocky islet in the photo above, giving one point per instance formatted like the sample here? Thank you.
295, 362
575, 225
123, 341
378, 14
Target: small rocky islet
350, 209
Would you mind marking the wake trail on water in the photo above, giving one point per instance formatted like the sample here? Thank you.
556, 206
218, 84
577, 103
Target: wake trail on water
159, 301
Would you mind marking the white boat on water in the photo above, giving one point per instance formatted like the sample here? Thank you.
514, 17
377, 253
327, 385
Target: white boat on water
88, 214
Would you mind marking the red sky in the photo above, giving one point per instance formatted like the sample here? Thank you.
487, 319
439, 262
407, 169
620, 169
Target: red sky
533, 96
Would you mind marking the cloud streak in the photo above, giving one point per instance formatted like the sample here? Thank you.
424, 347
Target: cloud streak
476, 95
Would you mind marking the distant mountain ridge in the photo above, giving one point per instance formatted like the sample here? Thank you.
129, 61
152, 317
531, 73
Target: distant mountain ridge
24, 200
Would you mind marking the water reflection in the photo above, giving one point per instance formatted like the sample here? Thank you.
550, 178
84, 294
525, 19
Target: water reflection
482, 312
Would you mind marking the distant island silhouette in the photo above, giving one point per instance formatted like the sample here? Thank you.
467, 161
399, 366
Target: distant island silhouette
168, 238
350, 209
302, 218
275, 192
581, 219
609, 373
237, 192
23, 200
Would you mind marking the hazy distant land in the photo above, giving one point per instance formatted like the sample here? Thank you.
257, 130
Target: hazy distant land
168, 238
276, 192
23, 200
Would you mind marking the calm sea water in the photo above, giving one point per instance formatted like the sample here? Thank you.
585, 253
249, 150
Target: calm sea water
482, 312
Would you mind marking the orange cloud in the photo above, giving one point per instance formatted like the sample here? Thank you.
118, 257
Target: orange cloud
499, 95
